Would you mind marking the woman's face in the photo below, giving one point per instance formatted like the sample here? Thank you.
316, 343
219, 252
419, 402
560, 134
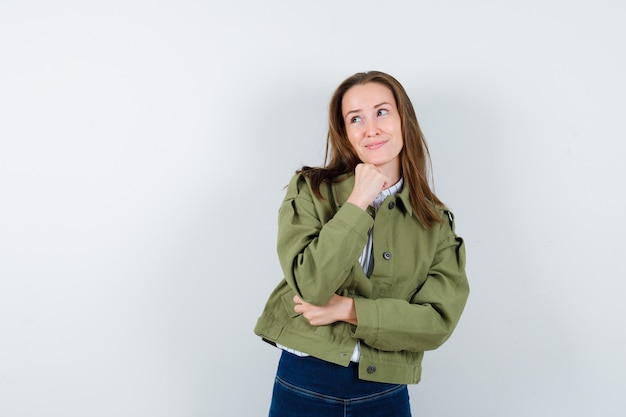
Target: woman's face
373, 126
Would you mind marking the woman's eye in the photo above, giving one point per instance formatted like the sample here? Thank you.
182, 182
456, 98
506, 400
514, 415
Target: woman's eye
355, 119
382, 112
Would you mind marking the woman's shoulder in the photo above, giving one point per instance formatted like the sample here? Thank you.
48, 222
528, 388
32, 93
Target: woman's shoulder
299, 186
447, 224
313, 181
298, 180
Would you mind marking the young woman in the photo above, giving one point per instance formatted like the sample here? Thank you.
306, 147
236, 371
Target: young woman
374, 272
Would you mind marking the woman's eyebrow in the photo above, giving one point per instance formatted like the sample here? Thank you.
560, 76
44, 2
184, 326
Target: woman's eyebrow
384, 103
352, 111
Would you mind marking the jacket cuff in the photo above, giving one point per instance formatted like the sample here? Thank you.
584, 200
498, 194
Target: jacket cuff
355, 218
367, 317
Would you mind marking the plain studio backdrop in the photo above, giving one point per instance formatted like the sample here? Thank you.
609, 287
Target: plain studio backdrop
144, 147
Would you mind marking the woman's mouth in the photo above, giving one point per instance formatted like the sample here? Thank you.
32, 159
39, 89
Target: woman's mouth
375, 145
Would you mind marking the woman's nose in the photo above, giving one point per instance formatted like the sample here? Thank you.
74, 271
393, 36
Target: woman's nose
371, 128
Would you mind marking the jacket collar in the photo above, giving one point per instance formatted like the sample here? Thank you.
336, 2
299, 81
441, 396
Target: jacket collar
343, 185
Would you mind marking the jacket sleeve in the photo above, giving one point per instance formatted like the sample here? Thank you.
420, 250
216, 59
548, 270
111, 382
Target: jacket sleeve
316, 247
428, 319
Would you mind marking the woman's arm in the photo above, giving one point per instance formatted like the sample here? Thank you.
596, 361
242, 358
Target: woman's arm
337, 309
317, 247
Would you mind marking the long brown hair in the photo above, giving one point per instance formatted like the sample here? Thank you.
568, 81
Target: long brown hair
415, 161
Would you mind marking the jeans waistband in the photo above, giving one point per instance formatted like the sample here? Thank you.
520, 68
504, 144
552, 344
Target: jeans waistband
326, 377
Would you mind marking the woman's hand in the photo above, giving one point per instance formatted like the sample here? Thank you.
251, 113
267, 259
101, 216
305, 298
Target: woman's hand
337, 309
368, 183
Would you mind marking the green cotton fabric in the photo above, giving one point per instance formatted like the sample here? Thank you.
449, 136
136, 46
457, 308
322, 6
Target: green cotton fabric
410, 304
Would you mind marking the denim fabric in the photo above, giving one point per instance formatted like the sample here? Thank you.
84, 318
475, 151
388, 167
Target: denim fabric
310, 387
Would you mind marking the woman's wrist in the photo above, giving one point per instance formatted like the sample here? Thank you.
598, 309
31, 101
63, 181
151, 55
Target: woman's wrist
359, 203
350, 311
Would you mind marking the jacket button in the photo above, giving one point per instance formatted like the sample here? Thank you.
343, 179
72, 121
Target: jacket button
371, 369
392, 205
387, 255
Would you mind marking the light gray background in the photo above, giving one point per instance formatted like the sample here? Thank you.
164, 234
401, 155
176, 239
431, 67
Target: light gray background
144, 146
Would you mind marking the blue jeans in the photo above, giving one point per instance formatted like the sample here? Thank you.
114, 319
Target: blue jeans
310, 387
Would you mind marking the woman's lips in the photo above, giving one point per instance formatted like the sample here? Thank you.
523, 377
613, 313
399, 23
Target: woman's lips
375, 145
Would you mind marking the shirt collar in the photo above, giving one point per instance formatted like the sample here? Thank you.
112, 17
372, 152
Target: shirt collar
391, 191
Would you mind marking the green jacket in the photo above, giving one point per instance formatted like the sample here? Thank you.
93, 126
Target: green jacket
411, 303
